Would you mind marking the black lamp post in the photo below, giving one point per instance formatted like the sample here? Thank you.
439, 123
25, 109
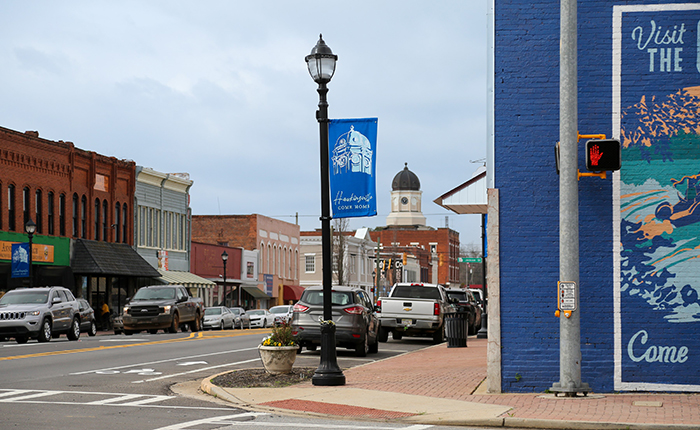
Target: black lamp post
321, 64
224, 258
30, 228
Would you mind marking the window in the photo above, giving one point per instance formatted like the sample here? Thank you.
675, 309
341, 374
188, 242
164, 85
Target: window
83, 217
105, 212
124, 221
38, 211
11, 207
50, 214
296, 264
75, 215
62, 214
25, 205
310, 263
97, 219
117, 222
290, 265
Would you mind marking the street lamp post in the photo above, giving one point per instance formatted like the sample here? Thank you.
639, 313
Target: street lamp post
224, 258
30, 228
321, 64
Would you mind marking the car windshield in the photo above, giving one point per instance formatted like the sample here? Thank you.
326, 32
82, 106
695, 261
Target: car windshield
337, 298
212, 311
154, 294
24, 297
236, 311
459, 295
279, 310
256, 312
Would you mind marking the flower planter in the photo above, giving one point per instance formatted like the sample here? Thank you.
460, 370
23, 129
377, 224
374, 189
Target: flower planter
278, 359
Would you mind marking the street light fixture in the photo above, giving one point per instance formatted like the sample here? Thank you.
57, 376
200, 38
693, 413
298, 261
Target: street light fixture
30, 228
224, 258
321, 64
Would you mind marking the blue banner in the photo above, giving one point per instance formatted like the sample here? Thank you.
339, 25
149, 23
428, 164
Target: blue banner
20, 260
353, 161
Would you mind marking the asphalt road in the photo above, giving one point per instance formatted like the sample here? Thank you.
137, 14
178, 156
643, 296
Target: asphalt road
145, 381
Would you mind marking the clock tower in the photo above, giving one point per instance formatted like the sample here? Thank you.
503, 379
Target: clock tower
406, 200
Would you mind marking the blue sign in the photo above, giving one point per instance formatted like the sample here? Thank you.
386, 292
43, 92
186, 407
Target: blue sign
20, 260
353, 161
269, 284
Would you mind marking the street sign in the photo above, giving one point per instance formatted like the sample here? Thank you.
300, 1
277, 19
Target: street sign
567, 296
469, 260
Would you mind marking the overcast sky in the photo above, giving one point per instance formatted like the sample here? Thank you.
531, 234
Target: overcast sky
220, 90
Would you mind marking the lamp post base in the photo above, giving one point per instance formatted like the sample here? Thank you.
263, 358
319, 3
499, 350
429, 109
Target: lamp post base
483, 331
328, 372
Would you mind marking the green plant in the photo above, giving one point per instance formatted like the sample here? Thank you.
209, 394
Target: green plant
518, 377
281, 336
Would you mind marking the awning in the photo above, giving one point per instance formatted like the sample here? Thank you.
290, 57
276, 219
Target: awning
90, 257
256, 293
468, 198
293, 292
185, 278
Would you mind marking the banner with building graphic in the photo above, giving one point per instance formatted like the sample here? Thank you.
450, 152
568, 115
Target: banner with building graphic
352, 167
656, 108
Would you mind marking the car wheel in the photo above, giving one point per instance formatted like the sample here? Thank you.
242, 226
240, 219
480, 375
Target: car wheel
361, 348
92, 331
264, 324
439, 335
383, 334
74, 332
21, 339
117, 332
374, 347
196, 325
45, 332
128, 332
175, 324
311, 347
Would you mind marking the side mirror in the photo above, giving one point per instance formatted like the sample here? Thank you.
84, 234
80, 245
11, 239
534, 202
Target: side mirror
55, 300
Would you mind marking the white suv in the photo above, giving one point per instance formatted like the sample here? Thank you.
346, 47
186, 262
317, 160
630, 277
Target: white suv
39, 313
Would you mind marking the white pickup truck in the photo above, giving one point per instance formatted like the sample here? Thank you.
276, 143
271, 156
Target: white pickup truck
413, 309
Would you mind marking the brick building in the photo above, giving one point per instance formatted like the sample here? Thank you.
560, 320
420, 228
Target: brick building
277, 243
72, 195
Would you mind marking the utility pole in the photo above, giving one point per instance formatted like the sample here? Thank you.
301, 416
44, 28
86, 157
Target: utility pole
569, 324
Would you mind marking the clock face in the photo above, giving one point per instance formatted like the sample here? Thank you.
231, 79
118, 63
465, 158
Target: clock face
404, 200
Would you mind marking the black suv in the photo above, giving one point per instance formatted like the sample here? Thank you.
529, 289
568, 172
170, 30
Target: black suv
39, 313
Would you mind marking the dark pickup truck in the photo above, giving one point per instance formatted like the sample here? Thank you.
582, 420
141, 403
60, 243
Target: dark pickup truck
166, 307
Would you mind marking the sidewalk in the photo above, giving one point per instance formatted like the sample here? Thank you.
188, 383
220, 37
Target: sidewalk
443, 386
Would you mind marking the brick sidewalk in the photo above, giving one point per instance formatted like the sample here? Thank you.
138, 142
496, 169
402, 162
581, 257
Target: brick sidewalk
455, 373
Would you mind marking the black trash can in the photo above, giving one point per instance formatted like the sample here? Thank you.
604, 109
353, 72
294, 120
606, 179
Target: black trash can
456, 329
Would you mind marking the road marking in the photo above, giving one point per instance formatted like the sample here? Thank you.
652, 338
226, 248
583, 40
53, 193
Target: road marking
192, 363
196, 371
150, 363
213, 420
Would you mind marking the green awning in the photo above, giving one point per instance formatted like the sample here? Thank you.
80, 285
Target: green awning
256, 293
185, 278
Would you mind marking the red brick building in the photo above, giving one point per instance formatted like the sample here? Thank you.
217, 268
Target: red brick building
276, 241
74, 194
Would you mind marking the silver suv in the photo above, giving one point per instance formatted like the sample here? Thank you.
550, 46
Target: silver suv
39, 313
353, 313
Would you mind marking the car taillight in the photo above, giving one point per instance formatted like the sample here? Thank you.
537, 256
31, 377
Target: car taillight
379, 306
354, 310
436, 309
300, 308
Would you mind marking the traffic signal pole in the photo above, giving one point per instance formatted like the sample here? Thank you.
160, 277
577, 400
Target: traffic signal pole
569, 325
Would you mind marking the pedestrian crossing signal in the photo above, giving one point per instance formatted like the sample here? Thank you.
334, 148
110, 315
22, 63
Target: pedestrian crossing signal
603, 155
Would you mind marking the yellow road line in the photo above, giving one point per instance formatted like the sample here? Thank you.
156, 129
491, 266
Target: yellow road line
192, 336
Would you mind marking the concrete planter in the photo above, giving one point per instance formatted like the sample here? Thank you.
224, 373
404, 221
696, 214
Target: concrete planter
278, 359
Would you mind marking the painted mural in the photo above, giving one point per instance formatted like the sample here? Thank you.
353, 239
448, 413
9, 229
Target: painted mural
658, 328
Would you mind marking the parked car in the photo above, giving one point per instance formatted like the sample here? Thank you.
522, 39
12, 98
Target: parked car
241, 318
283, 314
219, 318
261, 318
39, 313
356, 323
118, 325
87, 318
464, 301
479, 296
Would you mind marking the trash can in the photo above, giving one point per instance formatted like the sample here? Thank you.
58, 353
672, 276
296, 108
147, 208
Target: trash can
456, 329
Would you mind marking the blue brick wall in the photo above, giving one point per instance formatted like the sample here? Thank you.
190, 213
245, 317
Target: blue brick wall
526, 129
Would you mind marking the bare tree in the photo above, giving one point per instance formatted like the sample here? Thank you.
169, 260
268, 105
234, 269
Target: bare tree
340, 228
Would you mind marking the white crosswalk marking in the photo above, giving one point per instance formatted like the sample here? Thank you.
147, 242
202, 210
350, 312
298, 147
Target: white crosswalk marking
34, 396
115, 399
